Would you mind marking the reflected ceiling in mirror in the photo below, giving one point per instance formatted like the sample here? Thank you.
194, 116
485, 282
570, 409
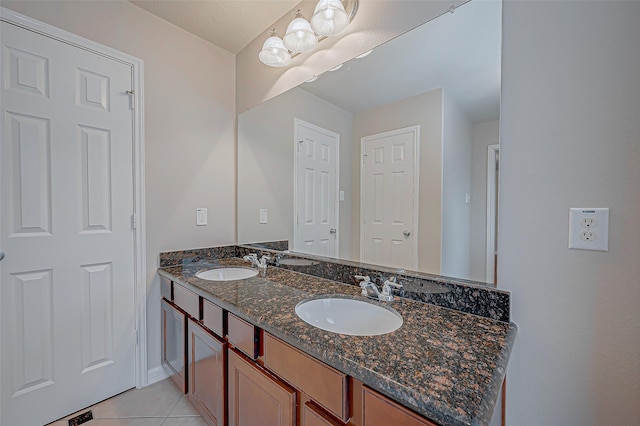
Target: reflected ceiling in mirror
443, 78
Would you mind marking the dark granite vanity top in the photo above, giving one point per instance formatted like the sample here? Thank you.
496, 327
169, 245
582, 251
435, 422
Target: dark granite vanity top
442, 363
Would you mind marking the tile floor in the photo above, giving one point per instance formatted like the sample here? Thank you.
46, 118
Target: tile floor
161, 404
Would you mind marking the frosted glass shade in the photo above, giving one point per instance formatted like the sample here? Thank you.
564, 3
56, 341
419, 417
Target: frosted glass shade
329, 18
274, 53
299, 36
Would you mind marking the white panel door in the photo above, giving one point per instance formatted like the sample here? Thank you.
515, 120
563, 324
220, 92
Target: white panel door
67, 282
316, 227
389, 198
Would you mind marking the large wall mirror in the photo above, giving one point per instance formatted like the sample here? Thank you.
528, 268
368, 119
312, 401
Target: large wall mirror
390, 159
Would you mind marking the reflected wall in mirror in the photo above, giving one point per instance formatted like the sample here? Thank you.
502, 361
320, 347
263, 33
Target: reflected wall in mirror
429, 98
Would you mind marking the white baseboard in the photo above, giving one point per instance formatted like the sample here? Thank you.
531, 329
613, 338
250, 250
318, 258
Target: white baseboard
156, 374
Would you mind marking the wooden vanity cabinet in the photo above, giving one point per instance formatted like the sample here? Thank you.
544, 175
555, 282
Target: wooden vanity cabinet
243, 335
326, 386
312, 415
174, 323
371, 408
206, 358
256, 397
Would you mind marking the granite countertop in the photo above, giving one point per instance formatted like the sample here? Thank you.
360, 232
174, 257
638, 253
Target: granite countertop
444, 364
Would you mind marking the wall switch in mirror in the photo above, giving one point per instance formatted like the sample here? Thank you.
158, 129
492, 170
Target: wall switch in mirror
263, 215
589, 229
201, 216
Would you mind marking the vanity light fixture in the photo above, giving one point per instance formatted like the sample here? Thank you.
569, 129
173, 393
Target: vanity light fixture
336, 68
300, 37
365, 54
274, 53
329, 18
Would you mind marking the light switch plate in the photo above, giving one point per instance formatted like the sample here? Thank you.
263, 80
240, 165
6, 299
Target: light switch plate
589, 229
201, 216
264, 215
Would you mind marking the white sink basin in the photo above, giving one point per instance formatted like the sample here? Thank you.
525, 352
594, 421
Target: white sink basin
227, 274
349, 316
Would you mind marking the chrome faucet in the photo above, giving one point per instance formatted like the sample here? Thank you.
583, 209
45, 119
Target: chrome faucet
369, 288
253, 258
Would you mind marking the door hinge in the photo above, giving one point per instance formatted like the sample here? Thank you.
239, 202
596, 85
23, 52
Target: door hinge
134, 222
131, 94
136, 340
299, 145
364, 159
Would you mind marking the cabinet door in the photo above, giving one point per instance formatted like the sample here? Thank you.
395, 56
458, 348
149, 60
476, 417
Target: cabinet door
173, 343
312, 415
255, 397
206, 374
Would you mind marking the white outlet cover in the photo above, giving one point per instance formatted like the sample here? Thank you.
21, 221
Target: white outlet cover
201, 216
264, 215
589, 229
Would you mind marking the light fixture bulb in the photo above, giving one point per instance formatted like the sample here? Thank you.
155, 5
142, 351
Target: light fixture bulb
300, 37
329, 18
365, 54
273, 53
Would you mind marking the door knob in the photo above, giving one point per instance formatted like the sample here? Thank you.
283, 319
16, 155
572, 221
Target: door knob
332, 231
406, 233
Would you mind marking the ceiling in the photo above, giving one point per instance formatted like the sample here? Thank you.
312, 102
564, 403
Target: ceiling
230, 24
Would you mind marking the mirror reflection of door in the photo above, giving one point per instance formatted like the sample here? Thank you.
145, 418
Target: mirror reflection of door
389, 198
316, 189
493, 173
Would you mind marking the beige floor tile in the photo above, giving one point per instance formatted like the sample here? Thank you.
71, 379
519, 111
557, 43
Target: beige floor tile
156, 400
184, 408
184, 421
154, 421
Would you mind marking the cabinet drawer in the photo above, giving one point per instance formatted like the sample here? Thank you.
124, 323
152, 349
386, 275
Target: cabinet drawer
242, 335
212, 317
325, 385
187, 300
381, 411
165, 288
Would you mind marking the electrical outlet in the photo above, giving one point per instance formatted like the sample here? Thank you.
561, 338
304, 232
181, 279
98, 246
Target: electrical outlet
589, 229
201, 216
264, 216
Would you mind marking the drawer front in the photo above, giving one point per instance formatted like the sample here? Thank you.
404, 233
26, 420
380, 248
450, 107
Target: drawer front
165, 288
242, 336
187, 300
381, 411
212, 317
325, 385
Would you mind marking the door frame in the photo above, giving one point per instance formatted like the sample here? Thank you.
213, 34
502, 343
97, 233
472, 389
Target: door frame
138, 220
416, 185
492, 199
296, 123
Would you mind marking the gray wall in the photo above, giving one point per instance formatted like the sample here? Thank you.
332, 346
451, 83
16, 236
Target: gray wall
570, 137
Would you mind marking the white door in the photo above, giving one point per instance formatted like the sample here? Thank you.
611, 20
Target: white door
67, 281
316, 190
389, 198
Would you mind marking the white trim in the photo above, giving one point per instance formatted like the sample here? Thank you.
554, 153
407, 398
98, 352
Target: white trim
157, 374
416, 185
137, 74
492, 193
296, 124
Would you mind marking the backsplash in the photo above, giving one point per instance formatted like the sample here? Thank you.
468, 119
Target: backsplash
461, 295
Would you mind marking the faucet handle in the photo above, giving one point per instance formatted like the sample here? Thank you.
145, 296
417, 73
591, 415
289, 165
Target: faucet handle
362, 278
386, 288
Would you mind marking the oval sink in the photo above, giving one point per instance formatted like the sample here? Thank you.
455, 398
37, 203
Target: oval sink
349, 316
226, 274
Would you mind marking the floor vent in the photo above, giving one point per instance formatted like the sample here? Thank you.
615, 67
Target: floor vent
81, 418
